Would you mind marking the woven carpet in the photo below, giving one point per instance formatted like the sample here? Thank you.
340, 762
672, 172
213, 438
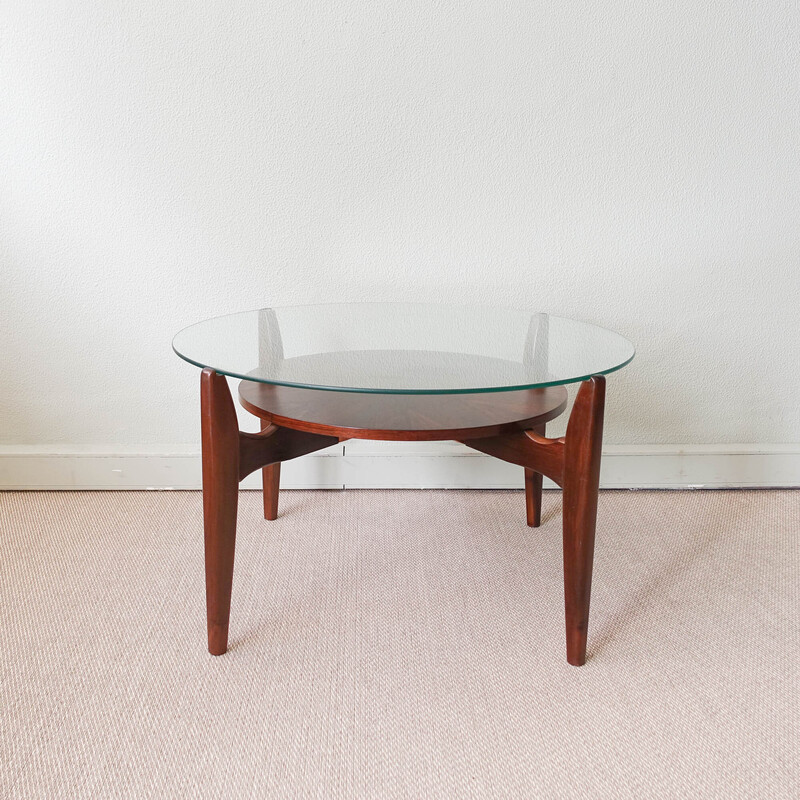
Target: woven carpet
400, 644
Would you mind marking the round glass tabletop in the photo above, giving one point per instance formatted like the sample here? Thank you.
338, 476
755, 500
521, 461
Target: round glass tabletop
403, 348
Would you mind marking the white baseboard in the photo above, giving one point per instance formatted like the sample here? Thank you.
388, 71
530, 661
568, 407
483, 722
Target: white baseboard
435, 465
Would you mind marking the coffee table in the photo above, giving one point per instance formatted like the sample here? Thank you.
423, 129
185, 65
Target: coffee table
317, 375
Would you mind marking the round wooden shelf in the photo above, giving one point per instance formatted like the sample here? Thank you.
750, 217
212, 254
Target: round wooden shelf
402, 417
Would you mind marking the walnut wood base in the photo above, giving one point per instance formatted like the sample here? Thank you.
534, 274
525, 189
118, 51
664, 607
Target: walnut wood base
507, 425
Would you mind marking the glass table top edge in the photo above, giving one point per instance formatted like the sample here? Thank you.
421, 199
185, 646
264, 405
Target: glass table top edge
359, 390
388, 347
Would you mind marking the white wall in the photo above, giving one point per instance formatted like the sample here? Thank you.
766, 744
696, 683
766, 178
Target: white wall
636, 165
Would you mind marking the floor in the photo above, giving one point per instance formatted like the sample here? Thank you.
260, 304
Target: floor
400, 644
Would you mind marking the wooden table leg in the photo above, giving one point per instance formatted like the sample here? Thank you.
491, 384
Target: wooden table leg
582, 450
271, 482
573, 462
220, 500
229, 456
533, 490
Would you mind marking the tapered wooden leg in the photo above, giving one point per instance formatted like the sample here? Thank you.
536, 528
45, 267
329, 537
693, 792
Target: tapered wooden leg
573, 462
533, 490
220, 498
271, 479
533, 497
582, 449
